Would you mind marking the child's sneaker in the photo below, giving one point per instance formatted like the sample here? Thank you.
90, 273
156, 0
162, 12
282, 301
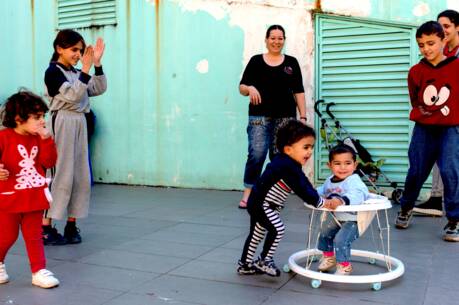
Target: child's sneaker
451, 231
52, 237
327, 263
4, 278
247, 269
44, 279
267, 267
72, 234
403, 219
343, 270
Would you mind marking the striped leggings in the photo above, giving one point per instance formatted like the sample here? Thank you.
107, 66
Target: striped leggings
262, 220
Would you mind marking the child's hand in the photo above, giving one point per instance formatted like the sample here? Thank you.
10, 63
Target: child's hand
87, 59
3, 173
98, 51
332, 203
44, 132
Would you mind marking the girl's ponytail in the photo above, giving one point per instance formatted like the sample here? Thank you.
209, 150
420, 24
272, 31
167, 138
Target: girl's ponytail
55, 57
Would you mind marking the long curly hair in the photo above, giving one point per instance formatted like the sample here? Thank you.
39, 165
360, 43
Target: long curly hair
20, 106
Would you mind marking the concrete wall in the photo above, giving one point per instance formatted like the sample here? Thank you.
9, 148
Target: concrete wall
172, 115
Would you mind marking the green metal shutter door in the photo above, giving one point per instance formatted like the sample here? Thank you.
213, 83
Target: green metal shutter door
362, 67
72, 14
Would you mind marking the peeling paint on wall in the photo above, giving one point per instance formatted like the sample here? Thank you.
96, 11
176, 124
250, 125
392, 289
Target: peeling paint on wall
421, 9
453, 4
360, 8
202, 66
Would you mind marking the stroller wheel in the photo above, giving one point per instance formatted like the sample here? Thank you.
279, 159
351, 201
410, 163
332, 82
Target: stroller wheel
396, 195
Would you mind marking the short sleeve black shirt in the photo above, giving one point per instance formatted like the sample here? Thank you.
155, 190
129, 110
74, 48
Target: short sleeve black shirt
276, 85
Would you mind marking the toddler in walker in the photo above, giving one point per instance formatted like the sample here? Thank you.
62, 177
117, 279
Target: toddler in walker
339, 230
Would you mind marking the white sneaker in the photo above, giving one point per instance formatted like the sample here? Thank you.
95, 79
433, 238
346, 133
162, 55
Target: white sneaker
44, 279
4, 278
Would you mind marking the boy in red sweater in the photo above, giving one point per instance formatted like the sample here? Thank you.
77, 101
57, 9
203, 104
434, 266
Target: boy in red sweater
26, 150
433, 84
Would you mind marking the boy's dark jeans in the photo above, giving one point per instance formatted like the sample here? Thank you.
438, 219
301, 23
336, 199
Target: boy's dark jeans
260, 131
430, 144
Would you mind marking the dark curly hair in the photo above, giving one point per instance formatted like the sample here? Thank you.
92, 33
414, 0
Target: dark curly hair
22, 104
291, 132
341, 149
430, 28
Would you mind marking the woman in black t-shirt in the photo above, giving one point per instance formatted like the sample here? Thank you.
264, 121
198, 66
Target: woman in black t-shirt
274, 85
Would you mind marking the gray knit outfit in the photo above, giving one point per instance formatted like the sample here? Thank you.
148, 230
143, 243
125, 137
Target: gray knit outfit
68, 91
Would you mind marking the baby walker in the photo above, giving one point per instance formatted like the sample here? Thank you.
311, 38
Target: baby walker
366, 212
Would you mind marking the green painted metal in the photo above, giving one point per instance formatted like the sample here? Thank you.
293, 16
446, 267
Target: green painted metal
85, 13
162, 122
362, 66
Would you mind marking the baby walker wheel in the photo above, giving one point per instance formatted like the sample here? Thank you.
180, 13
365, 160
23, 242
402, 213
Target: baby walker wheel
315, 283
286, 268
397, 195
376, 286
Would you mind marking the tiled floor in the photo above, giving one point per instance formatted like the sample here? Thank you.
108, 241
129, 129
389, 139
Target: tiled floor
174, 246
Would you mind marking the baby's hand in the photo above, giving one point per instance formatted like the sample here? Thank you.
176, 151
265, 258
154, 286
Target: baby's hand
44, 132
332, 203
3, 172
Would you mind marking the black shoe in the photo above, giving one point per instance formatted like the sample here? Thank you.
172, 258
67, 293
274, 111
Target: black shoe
52, 237
432, 207
247, 269
72, 234
267, 267
403, 219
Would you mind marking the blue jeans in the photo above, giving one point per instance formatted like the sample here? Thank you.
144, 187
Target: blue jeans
430, 144
260, 131
338, 239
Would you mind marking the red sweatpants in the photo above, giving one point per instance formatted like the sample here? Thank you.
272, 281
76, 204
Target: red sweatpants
30, 223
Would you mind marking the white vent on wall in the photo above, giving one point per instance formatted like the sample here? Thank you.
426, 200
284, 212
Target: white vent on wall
73, 14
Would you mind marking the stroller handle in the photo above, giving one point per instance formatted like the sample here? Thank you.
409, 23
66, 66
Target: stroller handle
316, 107
327, 109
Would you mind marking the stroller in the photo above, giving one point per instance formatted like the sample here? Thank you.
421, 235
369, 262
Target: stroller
367, 168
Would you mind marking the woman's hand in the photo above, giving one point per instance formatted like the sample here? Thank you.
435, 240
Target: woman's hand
3, 173
255, 97
87, 59
98, 51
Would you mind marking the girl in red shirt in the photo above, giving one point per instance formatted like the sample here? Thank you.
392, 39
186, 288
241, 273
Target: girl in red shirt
26, 150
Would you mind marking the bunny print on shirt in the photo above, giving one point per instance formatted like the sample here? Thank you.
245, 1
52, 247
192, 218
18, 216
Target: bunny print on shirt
28, 177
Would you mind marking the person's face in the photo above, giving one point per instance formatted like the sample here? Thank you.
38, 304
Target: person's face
431, 47
275, 41
34, 123
451, 30
70, 56
301, 150
342, 165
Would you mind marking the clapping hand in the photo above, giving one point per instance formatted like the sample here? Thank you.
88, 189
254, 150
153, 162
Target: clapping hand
87, 59
98, 51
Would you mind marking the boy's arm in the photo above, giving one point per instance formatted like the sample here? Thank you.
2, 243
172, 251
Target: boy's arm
300, 184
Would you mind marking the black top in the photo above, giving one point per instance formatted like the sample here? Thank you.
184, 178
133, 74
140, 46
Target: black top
276, 85
282, 173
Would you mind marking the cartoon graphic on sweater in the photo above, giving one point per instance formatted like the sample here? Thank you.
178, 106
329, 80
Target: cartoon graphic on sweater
434, 99
28, 177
